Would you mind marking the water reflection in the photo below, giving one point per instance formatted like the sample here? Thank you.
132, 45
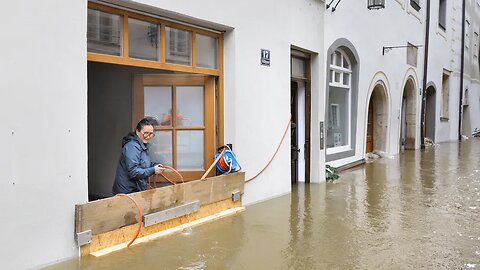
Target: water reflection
420, 210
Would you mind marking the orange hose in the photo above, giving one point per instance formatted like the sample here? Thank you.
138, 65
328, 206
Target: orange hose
139, 212
276, 151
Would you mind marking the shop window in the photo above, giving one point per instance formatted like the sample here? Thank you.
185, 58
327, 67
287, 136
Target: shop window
339, 100
104, 32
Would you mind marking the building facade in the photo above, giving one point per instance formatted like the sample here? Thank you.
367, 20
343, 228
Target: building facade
80, 74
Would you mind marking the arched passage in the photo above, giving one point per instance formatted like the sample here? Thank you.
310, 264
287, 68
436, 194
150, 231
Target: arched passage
407, 124
430, 112
377, 120
466, 125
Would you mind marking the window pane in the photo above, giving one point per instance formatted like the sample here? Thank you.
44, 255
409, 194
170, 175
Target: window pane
338, 117
178, 46
207, 51
190, 106
158, 103
298, 67
345, 63
143, 40
190, 150
346, 79
338, 59
337, 77
104, 33
160, 148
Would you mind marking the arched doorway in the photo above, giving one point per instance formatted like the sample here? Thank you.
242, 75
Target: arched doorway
430, 112
407, 124
377, 120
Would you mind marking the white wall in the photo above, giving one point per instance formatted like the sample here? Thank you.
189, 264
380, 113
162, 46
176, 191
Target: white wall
369, 31
257, 98
43, 135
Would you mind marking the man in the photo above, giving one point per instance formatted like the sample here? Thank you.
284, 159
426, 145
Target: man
134, 166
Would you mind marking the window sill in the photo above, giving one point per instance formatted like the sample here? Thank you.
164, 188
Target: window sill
444, 119
415, 13
442, 32
338, 149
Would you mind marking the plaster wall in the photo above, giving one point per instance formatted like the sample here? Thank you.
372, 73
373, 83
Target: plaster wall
43, 135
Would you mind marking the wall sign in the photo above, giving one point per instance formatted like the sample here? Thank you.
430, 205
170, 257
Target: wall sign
265, 57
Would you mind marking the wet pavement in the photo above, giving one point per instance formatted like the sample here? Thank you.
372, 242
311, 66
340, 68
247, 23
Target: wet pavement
420, 210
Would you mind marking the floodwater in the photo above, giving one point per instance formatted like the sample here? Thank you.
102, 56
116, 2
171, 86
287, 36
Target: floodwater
420, 210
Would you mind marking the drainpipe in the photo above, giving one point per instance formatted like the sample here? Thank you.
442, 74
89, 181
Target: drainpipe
425, 69
460, 107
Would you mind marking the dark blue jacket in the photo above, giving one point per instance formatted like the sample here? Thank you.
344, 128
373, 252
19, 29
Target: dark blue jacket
134, 166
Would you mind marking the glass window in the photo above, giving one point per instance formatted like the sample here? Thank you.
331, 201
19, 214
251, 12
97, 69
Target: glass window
338, 115
104, 32
178, 46
143, 40
415, 4
190, 105
190, 149
158, 103
207, 51
160, 148
298, 67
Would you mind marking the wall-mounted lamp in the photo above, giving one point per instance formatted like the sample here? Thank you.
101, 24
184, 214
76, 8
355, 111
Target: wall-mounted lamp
375, 4
389, 48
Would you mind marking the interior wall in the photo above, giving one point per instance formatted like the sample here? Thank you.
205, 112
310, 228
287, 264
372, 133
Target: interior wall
109, 120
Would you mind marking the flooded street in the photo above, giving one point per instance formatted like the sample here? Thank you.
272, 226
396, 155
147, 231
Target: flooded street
420, 210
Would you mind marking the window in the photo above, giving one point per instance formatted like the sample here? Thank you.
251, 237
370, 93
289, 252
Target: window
143, 40
179, 46
339, 100
442, 12
415, 4
445, 94
475, 45
104, 33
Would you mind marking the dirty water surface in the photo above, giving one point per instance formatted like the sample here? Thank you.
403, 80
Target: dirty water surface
419, 210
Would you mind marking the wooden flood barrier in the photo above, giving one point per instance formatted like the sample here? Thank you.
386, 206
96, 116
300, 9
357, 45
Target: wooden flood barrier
112, 221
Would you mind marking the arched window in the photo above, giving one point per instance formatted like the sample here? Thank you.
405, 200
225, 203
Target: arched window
339, 102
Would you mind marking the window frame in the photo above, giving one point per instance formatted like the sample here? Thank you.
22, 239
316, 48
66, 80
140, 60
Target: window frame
342, 70
124, 58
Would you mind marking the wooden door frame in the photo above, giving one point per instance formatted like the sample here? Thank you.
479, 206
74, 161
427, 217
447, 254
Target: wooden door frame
209, 113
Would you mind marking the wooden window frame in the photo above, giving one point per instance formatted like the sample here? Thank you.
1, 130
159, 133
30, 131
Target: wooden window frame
124, 59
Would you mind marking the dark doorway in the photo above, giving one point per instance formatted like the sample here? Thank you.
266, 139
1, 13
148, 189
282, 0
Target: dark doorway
430, 113
293, 131
369, 147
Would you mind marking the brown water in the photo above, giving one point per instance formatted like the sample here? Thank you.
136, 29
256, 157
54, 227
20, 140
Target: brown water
420, 210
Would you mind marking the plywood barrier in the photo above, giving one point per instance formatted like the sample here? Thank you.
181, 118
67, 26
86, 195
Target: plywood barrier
114, 220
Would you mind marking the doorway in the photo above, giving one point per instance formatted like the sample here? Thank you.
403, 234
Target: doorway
430, 113
377, 120
466, 122
408, 116
300, 109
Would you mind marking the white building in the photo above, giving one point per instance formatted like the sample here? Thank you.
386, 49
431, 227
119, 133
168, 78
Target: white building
375, 86
75, 78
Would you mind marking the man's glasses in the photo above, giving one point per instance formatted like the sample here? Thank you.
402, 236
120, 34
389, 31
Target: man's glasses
147, 135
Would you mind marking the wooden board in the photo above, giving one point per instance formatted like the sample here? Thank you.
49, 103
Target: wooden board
116, 212
125, 234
